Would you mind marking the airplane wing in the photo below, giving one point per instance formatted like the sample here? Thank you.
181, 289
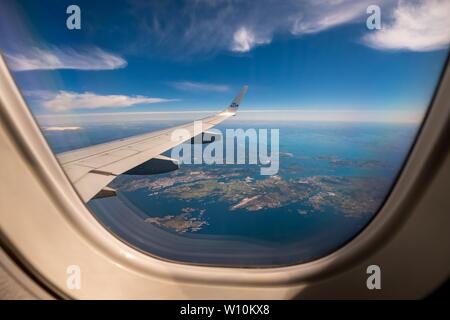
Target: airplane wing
91, 169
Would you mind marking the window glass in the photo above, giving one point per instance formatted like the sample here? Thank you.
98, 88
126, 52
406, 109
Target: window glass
289, 171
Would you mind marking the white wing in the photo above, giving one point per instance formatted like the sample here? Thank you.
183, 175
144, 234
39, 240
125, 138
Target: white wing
91, 169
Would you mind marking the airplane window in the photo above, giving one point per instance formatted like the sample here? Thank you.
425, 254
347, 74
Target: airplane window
250, 134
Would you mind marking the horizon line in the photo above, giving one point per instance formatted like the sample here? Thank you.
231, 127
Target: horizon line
342, 115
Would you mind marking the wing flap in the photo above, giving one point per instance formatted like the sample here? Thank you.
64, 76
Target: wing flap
91, 184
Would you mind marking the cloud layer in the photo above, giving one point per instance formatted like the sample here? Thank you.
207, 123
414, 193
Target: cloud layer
67, 101
423, 26
68, 58
199, 86
205, 27
73, 128
264, 115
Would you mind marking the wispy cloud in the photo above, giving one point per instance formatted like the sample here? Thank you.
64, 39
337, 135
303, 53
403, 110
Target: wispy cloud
321, 15
206, 27
36, 58
199, 86
422, 26
67, 101
244, 40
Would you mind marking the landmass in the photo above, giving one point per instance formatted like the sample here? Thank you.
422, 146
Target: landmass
352, 197
187, 220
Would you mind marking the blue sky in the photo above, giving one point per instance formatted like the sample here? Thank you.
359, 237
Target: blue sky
195, 55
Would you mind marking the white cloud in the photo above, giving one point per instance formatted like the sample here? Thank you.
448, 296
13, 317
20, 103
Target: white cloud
62, 128
206, 27
66, 101
416, 26
244, 40
199, 86
323, 15
68, 58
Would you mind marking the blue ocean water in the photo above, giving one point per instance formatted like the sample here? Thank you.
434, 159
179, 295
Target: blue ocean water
332, 180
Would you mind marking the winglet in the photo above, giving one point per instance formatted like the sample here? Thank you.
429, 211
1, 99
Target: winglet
237, 101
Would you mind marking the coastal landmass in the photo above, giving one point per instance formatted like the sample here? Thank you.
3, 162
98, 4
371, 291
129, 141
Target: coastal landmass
352, 197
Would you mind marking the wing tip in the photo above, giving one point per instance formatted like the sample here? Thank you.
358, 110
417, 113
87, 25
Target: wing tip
237, 101
244, 89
